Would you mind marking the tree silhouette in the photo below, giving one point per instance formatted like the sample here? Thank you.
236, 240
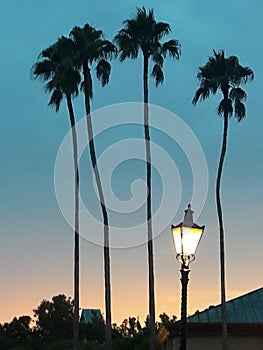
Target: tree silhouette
143, 33
225, 75
54, 318
55, 67
91, 48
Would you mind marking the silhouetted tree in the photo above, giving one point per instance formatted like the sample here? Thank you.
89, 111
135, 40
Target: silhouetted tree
16, 334
92, 48
164, 327
53, 330
225, 75
55, 66
54, 318
143, 33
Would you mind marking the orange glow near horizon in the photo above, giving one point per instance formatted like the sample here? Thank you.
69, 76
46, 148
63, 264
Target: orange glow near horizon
122, 305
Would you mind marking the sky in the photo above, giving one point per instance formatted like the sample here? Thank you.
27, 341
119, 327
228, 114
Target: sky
36, 250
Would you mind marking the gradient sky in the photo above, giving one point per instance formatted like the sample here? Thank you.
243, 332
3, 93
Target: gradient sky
36, 250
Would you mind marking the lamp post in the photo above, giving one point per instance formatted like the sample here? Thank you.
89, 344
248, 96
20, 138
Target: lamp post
186, 238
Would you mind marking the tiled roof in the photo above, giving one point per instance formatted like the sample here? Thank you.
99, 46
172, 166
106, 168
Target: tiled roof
247, 308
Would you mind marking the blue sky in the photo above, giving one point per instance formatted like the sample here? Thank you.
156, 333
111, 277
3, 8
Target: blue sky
36, 242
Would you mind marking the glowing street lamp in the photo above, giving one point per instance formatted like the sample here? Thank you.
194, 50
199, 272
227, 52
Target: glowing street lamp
186, 238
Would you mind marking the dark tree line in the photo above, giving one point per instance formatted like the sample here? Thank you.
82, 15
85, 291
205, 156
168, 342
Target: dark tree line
51, 329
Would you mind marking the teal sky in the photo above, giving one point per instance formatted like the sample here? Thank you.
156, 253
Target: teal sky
36, 250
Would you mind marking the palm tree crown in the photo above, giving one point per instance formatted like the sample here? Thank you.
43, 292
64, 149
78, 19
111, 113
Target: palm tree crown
55, 66
225, 74
91, 47
144, 33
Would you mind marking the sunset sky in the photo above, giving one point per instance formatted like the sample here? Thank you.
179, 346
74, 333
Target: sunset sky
36, 249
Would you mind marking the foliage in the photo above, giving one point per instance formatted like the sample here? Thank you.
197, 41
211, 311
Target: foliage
93, 332
55, 67
16, 334
225, 75
54, 318
52, 330
91, 47
144, 33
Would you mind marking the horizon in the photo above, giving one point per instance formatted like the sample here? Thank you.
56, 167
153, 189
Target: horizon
143, 319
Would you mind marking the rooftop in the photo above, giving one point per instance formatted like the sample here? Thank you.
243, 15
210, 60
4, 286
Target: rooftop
88, 315
247, 308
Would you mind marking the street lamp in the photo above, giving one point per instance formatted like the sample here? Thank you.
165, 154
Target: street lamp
186, 238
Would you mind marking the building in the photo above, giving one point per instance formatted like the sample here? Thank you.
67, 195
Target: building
245, 325
87, 315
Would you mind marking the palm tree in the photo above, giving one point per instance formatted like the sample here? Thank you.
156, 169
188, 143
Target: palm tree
91, 48
54, 66
143, 33
226, 75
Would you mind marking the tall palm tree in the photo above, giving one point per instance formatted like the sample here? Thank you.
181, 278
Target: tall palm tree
54, 66
143, 34
225, 75
91, 47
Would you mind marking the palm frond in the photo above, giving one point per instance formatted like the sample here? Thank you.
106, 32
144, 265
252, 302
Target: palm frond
161, 29
248, 74
48, 52
237, 94
240, 110
243, 75
213, 84
55, 99
103, 70
42, 70
127, 46
108, 49
141, 12
225, 106
156, 55
157, 73
51, 85
201, 94
172, 48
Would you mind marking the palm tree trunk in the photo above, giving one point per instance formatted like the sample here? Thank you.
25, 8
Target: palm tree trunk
108, 331
76, 223
221, 234
149, 204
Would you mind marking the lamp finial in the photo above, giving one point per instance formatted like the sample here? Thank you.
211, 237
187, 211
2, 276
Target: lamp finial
188, 217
